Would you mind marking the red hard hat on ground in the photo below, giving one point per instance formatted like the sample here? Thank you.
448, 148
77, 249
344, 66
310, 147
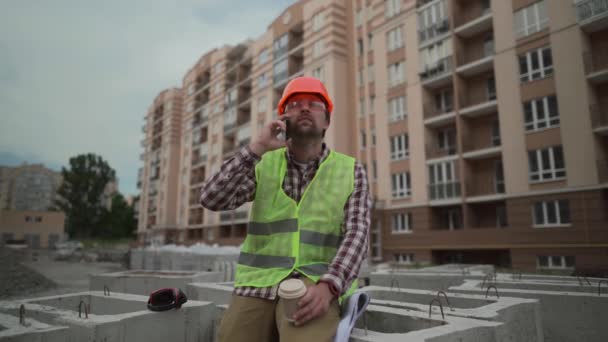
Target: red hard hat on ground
304, 85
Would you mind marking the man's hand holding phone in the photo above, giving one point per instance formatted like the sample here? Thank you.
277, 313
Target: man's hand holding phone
270, 138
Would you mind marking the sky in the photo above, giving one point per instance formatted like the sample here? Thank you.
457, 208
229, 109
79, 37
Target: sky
78, 76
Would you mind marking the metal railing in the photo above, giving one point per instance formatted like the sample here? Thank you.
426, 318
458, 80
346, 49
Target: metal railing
444, 190
587, 9
440, 68
599, 114
596, 60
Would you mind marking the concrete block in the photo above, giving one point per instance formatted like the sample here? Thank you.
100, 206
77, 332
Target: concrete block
12, 330
144, 282
520, 317
566, 316
119, 317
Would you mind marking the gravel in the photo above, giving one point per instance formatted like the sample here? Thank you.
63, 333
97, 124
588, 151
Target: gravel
17, 279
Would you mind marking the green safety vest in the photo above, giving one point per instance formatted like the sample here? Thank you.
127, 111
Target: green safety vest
282, 235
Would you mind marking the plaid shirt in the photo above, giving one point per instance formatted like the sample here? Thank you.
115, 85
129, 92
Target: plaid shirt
235, 184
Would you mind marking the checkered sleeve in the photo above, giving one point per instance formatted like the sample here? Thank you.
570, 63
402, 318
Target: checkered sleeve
233, 185
345, 266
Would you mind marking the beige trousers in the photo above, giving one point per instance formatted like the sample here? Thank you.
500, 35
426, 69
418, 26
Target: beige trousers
250, 319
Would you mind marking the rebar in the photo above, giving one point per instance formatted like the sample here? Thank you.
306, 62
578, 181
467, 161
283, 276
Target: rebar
435, 300
599, 286
439, 293
495, 290
106, 289
86, 309
393, 282
22, 314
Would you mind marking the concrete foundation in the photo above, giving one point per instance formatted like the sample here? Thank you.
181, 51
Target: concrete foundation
392, 324
145, 282
520, 317
118, 317
566, 316
31, 330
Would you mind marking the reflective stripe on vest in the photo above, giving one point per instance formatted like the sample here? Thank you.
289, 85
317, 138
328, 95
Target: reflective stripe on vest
268, 228
314, 269
265, 261
320, 239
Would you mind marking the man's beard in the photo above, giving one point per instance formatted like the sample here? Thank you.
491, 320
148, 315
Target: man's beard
306, 133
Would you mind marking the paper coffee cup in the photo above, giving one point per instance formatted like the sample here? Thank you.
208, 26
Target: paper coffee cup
290, 291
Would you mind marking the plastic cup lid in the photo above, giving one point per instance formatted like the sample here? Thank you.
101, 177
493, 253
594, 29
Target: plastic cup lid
292, 288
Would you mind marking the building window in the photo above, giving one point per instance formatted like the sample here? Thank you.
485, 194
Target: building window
404, 258
551, 213
433, 21
400, 184
360, 47
280, 71
319, 73
360, 78
443, 183
375, 243
361, 107
262, 104
191, 89
370, 73
401, 223
394, 39
555, 262
491, 89
436, 58
396, 73
217, 68
397, 108
317, 22
501, 216
443, 101
530, 19
372, 104
370, 42
280, 46
218, 88
374, 170
535, 65
317, 48
400, 147
546, 164
363, 139
541, 113
359, 18
373, 133
446, 140
263, 58
392, 8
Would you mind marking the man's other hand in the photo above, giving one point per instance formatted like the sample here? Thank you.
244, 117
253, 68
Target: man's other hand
315, 303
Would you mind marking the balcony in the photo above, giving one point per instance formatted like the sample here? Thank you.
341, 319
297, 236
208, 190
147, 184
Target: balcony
592, 15
599, 117
474, 22
444, 193
488, 215
433, 31
596, 66
435, 117
434, 152
483, 190
481, 61
438, 74
195, 216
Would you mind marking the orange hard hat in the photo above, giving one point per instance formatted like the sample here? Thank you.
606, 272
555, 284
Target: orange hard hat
304, 85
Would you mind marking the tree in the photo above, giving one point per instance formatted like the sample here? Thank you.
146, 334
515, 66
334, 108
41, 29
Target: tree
120, 220
81, 195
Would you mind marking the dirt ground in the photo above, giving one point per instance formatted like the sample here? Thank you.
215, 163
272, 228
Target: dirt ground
34, 273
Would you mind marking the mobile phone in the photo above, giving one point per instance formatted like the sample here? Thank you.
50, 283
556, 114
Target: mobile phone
287, 128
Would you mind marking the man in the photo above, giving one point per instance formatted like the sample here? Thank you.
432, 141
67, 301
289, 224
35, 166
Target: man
309, 220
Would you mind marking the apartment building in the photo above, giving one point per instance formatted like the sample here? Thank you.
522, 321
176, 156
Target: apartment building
28, 187
158, 178
482, 124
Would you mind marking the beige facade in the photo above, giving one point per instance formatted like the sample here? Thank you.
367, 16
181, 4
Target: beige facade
39, 229
158, 178
482, 124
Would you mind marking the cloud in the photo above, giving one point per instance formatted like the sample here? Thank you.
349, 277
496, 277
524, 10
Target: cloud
78, 76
